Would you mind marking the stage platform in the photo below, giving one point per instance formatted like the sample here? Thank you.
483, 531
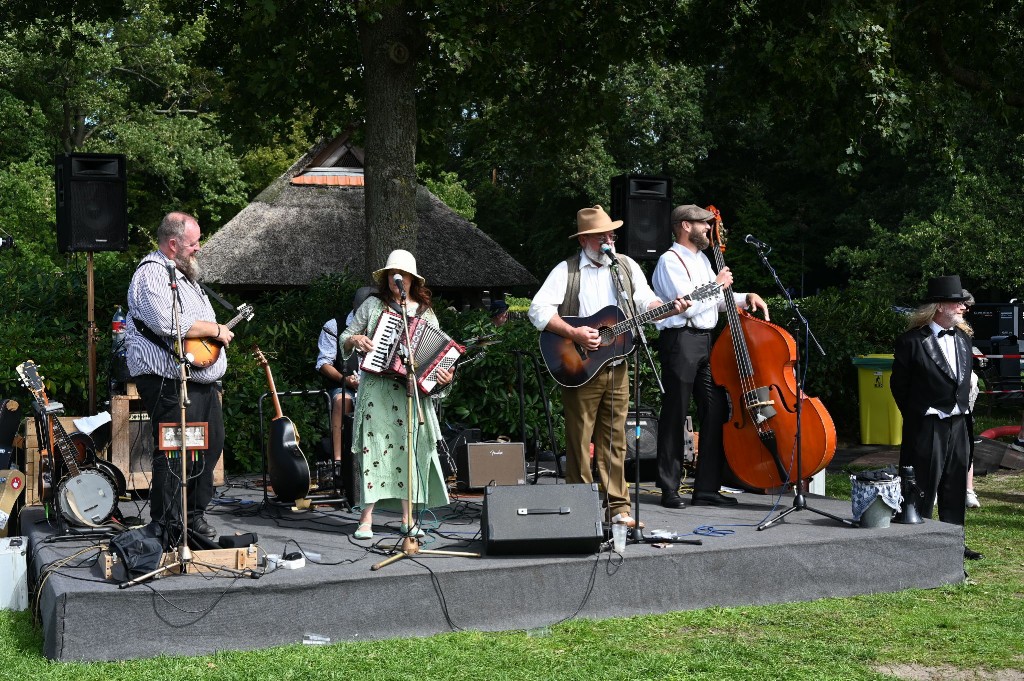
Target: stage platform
337, 597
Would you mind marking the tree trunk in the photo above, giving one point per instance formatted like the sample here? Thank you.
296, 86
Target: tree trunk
389, 42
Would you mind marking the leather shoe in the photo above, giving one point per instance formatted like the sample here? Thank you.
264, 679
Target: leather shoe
671, 500
712, 499
198, 524
972, 555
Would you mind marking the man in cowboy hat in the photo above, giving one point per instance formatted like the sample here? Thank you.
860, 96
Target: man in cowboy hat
931, 383
583, 285
684, 348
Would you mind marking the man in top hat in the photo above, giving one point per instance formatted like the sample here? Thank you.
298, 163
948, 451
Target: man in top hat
931, 383
684, 348
583, 285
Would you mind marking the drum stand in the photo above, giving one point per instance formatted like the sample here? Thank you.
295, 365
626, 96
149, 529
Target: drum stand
186, 561
409, 544
799, 500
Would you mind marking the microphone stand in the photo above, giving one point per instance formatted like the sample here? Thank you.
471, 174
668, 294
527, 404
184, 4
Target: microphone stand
799, 500
185, 556
409, 546
636, 535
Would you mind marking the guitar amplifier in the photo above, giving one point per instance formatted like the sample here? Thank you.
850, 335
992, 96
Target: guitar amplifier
491, 463
534, 519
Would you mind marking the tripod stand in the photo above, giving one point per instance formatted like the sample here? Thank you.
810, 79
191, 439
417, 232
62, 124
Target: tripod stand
799, 500
186, 562
409, 546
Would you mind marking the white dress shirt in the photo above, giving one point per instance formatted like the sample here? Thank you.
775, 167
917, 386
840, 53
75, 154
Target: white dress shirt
947, 344
672, 279
597, 290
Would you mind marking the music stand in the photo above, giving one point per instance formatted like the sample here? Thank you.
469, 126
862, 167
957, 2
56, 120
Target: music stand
799, 500
409, 546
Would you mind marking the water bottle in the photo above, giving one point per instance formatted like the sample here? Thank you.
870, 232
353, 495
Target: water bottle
117, 330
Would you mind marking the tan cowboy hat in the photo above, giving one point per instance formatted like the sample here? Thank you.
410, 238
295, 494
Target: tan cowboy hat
594, 221
399, 260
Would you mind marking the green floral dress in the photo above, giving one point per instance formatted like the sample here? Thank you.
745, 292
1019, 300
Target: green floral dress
379, 433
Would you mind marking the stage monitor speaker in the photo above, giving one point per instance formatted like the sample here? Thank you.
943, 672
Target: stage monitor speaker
491, 463
532, 519
92, 202
644, 204
648, 443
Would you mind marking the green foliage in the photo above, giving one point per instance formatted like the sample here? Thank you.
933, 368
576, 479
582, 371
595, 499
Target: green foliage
450, 189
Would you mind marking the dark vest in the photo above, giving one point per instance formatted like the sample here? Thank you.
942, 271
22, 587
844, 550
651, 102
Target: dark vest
570, 306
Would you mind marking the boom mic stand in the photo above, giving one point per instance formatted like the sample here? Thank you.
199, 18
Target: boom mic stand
185, 558
408, 545
636, 536
799, 500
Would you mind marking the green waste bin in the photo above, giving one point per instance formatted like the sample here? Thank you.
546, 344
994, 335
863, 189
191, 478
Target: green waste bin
880, 420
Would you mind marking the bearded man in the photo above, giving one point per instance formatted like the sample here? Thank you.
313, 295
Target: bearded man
931, 383
164, 280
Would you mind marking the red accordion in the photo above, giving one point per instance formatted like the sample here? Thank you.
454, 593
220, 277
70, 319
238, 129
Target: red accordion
432, 349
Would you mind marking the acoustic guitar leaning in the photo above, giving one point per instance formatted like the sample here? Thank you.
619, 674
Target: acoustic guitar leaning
286, 464
203, 352
572, 365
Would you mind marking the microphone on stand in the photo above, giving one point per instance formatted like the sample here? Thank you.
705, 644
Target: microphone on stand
400, 284
756, 243
170, 274
607, 250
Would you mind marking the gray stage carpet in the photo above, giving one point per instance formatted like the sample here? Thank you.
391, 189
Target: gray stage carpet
337, 597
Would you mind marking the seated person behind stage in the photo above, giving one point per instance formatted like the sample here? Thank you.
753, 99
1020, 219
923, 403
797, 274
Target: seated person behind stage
156, 371
379, 435
341, 376
499, 312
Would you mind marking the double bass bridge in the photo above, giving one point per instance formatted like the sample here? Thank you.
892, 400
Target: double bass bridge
759, 404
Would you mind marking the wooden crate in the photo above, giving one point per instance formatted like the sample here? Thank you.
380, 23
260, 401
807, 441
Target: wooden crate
234, 559
32, 456
131, 441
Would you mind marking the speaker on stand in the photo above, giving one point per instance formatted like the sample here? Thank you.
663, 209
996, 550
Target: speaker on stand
92, 202
644, 204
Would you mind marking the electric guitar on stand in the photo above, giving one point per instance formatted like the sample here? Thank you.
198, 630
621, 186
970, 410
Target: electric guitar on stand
203, 352
572, 365
85, 495
286, 464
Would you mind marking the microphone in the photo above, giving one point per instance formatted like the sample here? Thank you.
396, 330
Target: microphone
400, 284
756, 243
170, 274
607, 250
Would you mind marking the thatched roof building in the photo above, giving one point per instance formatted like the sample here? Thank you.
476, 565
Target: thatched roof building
309, 222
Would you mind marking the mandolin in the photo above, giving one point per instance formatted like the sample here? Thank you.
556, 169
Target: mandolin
203, 352
286, 464
572, 365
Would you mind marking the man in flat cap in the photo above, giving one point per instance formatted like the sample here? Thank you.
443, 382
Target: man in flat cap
684, 348
596, 407
931, 383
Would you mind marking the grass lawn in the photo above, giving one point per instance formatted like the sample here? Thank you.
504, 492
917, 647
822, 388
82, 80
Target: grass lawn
969, 631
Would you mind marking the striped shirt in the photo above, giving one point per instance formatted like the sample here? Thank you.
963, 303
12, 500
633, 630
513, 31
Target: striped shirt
149, 299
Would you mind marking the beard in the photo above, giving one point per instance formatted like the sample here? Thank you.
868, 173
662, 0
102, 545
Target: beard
596, 255
700, 240
189, 267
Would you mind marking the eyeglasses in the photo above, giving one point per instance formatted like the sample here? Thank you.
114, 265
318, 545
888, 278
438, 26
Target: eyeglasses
610, 238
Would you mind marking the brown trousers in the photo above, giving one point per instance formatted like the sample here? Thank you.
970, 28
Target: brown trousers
596, 411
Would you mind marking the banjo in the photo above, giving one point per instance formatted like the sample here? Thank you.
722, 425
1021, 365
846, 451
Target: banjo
85, 496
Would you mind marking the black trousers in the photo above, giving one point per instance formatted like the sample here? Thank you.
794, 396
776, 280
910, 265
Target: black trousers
160, 397
939, 451
686, 372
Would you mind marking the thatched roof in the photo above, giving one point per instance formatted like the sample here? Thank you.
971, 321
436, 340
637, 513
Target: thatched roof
292, 233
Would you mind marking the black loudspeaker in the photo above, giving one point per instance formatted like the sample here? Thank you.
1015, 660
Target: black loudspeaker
92, 202
533, 519
648, 445
491, 463
644, 204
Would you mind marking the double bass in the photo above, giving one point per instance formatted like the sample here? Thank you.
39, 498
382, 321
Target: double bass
753, 361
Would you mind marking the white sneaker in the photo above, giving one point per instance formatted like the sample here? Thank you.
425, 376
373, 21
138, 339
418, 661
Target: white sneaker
1017, 445
972, 499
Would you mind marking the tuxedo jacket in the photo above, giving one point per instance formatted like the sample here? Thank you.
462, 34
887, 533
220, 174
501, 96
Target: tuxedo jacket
921, 377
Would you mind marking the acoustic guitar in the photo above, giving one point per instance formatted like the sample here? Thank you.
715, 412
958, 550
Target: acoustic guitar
203, 352
12, 484
286, 464
572, 365
85, 495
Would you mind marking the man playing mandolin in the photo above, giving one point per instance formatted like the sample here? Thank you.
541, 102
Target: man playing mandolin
155, 369
583, 285
684, 348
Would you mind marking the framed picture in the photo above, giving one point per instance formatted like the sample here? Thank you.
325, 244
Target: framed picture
196, 436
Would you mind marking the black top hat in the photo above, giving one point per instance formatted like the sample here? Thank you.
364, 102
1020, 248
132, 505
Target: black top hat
945, 289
